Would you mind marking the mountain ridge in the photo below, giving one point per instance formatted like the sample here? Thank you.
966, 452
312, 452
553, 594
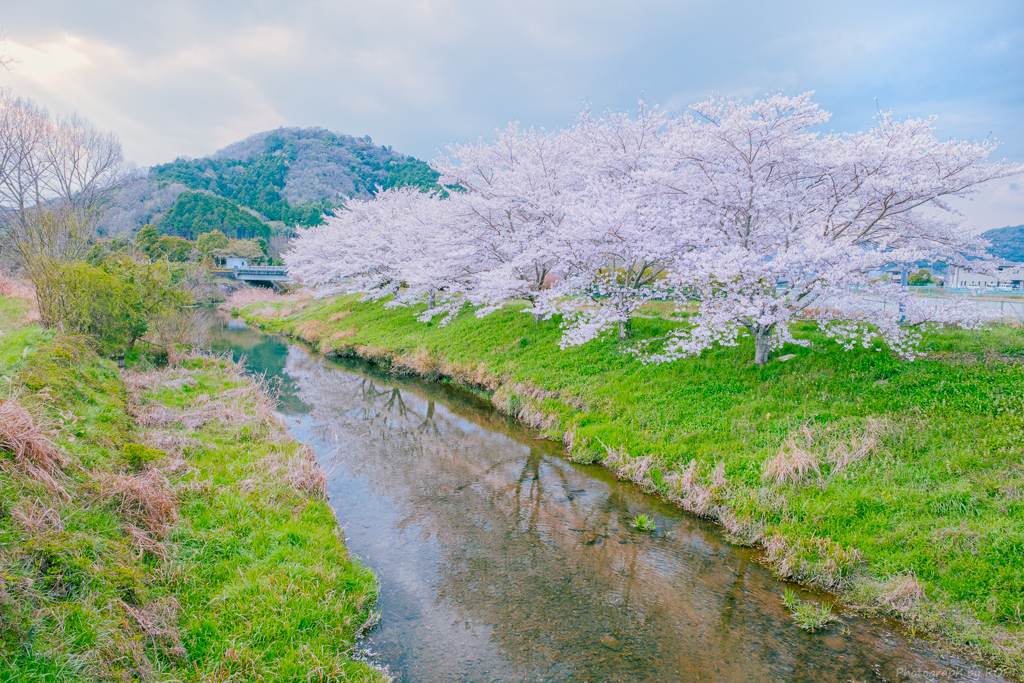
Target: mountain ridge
284, 177
1007, 243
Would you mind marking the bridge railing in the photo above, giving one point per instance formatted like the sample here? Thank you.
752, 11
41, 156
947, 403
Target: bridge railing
261, 270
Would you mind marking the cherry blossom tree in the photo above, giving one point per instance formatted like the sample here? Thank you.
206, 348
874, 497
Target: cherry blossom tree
402, 244
621, 230
512, 201
742, 209
789, 223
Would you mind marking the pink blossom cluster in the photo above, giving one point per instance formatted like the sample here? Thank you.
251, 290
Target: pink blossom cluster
744, 215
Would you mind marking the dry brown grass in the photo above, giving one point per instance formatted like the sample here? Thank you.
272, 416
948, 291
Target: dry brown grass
250, 404
794, 459
37, 519
157, 622
254, 295
172, 378
693, 494
301, 470
818, 561
34, 454
904, 596
17, 289
344, 334
146, 497
420, 362
636, 470
525, 403
807, 449
312, 331
335, 317
201, 412
21, 289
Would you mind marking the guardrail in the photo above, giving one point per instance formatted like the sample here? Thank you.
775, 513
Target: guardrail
262, 270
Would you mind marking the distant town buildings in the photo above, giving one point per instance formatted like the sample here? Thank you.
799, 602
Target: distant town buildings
1008, 275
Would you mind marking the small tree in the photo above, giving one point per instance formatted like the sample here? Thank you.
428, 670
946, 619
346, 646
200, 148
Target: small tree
55, 174
208, 241
112, 303
264, 247
146, 238
172, 248
921, 277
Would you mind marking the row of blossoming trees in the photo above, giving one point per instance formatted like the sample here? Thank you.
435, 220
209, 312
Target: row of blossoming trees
742, 210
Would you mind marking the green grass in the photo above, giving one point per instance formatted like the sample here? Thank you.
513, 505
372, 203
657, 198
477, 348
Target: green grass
644, 522
808, 615
251, 582
940, 493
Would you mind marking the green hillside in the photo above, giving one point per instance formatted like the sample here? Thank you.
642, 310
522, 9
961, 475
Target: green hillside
195, 213
296, 175
289, 175
1007, 243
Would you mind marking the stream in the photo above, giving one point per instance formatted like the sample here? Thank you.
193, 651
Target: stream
500, 560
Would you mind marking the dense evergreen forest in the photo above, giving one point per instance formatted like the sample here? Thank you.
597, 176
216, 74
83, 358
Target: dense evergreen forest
195, 213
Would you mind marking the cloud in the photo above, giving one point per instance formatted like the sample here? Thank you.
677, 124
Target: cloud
188, 77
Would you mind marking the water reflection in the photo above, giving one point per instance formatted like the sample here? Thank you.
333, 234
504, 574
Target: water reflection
500, 561
264, 354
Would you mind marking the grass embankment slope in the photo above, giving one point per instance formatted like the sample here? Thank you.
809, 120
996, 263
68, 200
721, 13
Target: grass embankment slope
898, 485
162, 526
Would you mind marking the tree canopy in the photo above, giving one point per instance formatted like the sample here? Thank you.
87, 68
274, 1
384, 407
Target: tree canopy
195, 213
741, 213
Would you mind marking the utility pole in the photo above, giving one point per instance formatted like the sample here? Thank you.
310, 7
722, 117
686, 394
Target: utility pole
904, 281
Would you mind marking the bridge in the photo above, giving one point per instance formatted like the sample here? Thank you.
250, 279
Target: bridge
262, 273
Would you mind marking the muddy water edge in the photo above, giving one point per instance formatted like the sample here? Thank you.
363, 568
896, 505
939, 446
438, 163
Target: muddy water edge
500, 560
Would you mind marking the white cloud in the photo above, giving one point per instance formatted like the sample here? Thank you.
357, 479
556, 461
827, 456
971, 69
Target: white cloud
188, 77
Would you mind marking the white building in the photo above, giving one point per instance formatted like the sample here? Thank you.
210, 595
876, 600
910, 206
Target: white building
236, 262
1007, 276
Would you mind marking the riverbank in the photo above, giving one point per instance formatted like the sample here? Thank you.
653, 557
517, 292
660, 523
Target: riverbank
161, 524
897, 486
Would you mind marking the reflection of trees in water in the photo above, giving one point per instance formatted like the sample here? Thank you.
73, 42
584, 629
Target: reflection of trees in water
263, 355
542, 551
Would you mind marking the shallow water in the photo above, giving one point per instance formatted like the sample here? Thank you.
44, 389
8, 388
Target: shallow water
499, 560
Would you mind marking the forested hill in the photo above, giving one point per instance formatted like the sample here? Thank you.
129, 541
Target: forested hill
1007, 243
280, 178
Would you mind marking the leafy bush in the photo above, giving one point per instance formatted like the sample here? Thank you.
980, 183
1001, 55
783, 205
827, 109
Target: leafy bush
921, 277
112, 303
171, 248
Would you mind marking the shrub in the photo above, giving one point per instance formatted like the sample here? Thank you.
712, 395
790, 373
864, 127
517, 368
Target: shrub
112, 303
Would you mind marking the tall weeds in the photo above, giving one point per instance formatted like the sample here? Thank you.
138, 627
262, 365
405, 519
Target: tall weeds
33, 453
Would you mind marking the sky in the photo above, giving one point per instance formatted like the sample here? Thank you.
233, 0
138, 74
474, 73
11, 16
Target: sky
187, 78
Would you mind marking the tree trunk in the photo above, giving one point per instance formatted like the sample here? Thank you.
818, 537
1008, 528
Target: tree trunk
431, 299
763, 343
625, 329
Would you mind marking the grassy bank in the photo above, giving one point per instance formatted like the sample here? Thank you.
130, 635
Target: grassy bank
899, 486
161, 525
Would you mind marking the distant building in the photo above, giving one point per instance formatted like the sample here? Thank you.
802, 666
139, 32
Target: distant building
1008, 276
236, 262
890, 273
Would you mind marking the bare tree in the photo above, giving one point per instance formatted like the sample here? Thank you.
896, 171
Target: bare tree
5, 59
55, 174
